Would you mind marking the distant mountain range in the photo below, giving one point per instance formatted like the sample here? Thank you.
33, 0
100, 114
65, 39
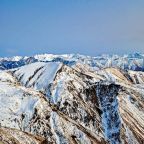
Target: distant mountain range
130, 62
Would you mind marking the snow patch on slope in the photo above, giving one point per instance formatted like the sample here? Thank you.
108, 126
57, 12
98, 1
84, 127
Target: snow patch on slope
14, 102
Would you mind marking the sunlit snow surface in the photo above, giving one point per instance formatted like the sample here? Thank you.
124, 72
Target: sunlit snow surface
14, 101
38, 75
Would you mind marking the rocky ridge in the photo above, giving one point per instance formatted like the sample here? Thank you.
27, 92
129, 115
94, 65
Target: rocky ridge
56, 102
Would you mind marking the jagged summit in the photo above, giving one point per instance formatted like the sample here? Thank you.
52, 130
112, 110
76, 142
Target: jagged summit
71, 99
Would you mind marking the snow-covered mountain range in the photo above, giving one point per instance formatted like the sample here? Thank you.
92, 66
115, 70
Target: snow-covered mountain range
72, 99
132, 61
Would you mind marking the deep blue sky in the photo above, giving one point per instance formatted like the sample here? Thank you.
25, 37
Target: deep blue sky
88, 27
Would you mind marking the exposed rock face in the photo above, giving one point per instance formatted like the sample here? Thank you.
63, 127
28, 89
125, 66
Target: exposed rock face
13, 136
56, 103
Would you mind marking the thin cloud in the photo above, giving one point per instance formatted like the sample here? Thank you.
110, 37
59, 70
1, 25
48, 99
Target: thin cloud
11, 51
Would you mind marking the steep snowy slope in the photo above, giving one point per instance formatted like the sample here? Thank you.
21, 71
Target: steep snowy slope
72, 104
39, 75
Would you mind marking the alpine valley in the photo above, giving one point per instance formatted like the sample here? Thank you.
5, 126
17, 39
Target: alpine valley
72, 99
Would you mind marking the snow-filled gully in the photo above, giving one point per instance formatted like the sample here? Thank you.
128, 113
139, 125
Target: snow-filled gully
108, 103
